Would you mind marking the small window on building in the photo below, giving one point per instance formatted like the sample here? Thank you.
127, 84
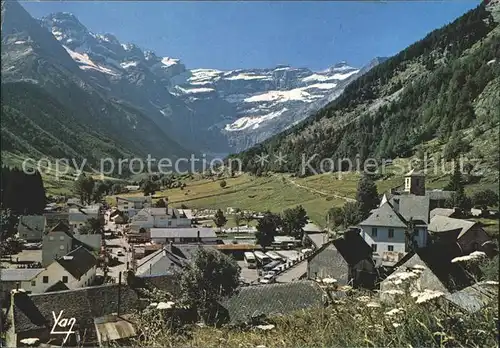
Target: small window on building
390, 248
33, 283
51, 238
374, 248
415, 232
391, 232
65, 279
374, 231
61, 247
61, 238
45, 279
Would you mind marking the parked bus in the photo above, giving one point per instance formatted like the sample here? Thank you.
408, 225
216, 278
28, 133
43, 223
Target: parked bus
262, 258
250, 260
274, 256
271, 265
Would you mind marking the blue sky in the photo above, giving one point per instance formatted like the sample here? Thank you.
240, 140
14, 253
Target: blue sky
231, 35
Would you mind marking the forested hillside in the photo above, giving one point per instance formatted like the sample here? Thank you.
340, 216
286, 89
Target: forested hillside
86, 126
436, 88
50, 108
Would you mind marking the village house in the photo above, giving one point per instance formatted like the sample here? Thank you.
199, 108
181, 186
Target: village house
435, 269
16, 278
59, 241
98, 312
414, 185
131, 205
159, 218
347, 259
117, 216
186, 235
385, 230
79, 216
53, 218
162, 268
469, 235
31, 227
74, 270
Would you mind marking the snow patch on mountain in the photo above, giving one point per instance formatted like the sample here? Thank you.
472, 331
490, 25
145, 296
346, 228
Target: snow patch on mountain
84, 62
167, 61
345, 75
282, 96
322, 86
244, 76
252, 122
195, 90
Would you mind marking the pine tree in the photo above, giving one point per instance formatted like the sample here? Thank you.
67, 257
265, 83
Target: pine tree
219, 219
367, 196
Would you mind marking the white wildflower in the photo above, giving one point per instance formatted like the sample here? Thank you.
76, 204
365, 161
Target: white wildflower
329, 281
489, 282
416, 294
420, 267
30, 341
153, 304
165, 305
428, 295
394, 311
265, 327
474, 256
260, 346
376, 327
363, 298
373, 305
396, 325
393, 292
399, 277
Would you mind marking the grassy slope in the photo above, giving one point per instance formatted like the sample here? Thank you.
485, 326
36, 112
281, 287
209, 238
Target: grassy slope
277, 193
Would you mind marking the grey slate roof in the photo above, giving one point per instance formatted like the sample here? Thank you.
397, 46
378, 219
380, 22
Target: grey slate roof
19, 274
318, 239
384, 216
441, 212
441, 274
167, 261
82, 261
446, 224
32, 312
412, 207
32, 223
59, 286
272, 300
474, 297
328, 263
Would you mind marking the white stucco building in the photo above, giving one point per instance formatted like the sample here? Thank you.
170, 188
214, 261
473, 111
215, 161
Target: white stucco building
385, 230
159, 218
74, 270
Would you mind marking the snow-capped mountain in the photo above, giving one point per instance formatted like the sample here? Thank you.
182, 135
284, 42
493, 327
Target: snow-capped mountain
203, 109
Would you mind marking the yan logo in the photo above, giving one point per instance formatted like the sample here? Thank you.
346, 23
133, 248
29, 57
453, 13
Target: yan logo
62, 323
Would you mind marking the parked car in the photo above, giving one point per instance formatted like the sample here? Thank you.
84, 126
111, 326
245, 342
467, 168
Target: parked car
120, 253
268, 279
